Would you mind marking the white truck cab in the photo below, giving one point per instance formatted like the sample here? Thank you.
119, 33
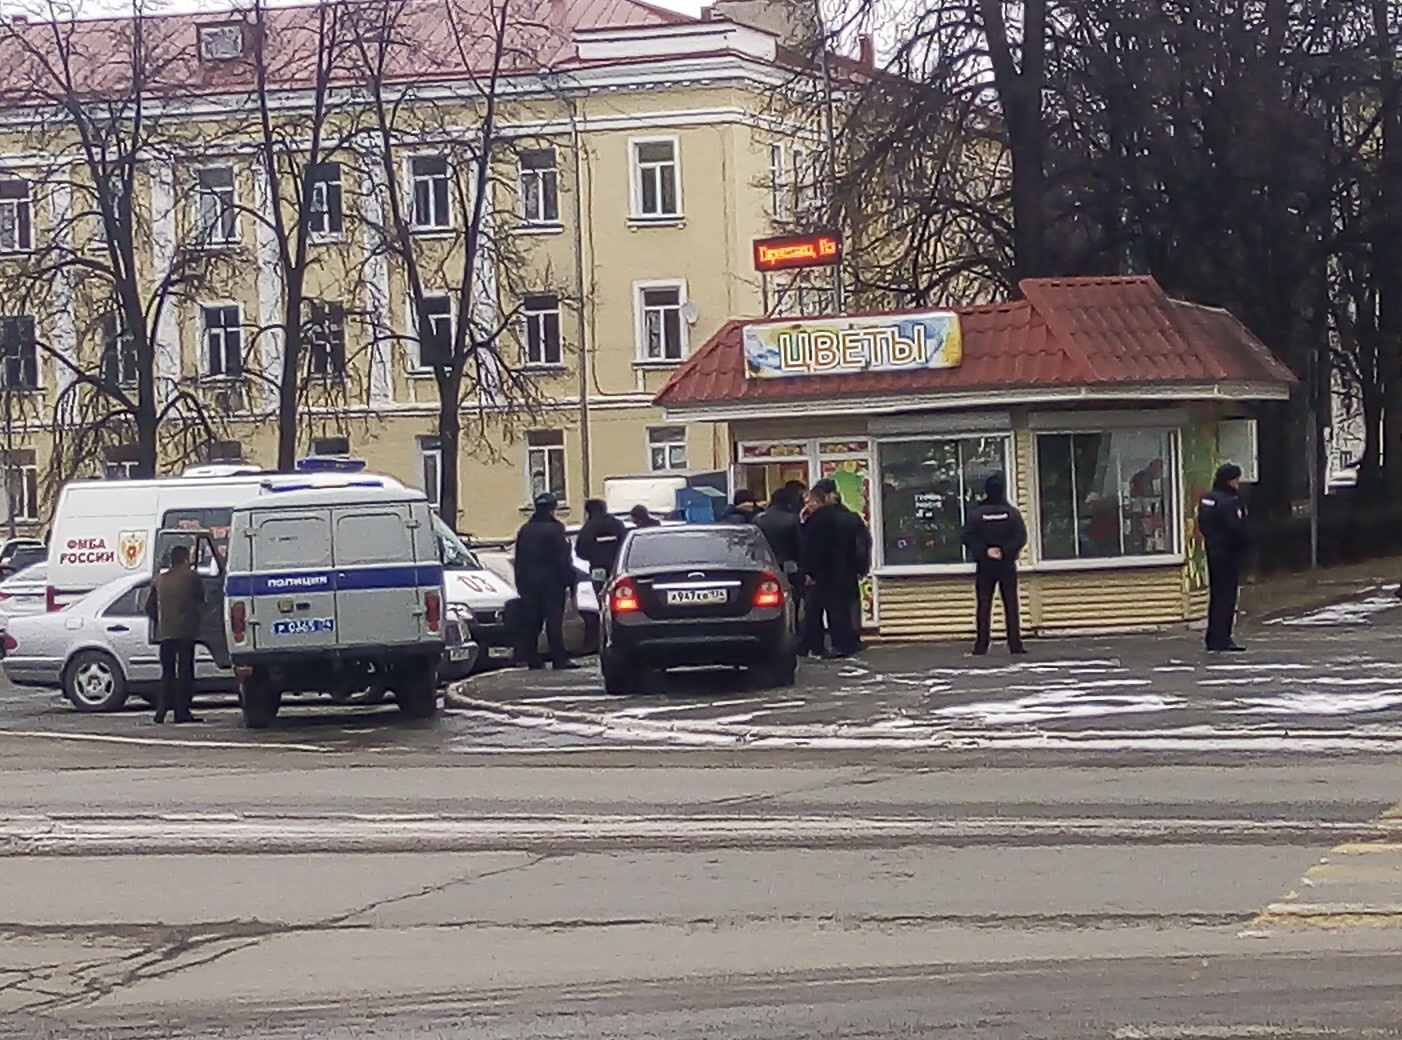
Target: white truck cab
334, 590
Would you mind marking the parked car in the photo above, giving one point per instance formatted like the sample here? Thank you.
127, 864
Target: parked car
698, 595
18, 553
581, 611
24, 593
96, 649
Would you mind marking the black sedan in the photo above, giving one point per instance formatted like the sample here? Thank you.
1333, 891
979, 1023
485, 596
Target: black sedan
697, 595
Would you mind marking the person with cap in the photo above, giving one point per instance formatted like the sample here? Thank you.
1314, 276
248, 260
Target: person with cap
832, 564
742, 510
642, 518
995, 535
599, 541
780, 526
545, 576
1222, 523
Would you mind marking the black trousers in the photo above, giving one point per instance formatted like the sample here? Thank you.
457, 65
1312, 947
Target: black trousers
177, 678
1223, 580
1000, 575
830, 609
542, 606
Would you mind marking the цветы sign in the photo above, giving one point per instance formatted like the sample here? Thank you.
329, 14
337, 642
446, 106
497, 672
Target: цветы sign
833, 346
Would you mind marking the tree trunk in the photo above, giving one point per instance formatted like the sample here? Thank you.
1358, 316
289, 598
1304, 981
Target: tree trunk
449, 437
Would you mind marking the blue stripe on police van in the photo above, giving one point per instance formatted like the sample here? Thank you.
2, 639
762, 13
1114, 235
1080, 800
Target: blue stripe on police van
292, 583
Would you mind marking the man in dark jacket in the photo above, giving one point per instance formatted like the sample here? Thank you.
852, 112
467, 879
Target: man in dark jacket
780, 527
545, 576
642, 518
173, 608
832, 560
742, 510
994, 534
598, 542
1222, 521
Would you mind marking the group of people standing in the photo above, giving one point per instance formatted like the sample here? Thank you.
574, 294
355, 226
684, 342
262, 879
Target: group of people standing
825, 550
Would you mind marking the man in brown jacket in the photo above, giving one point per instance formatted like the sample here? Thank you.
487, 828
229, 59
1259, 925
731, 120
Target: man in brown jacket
174, 609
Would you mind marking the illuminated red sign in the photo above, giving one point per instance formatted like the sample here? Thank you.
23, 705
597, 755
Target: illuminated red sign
820, 249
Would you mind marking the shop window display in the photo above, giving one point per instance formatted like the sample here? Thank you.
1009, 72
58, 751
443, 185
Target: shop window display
927, 487
1105, 494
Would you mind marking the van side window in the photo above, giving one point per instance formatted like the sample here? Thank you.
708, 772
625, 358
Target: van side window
378, 537
292, 543
214, 520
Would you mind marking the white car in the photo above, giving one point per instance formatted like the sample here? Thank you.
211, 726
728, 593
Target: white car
24, 593
96, 649
581, 612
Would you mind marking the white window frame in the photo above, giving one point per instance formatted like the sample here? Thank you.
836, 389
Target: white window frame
780, 192
20, 212
530, 315
322, 186
25, 477
539, 175
121, 337
431, 451
414, 179
654, 442
1175, 557
635, 180
207, 345
878, 513
203, 233
640, 323
333, 372
414, 361
553, 454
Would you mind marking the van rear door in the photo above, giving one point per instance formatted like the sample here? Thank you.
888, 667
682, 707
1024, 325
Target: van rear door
377, 597
292, 597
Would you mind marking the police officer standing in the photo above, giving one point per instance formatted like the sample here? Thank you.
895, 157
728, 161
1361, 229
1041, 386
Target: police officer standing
995, 535
598, 542
173, 607
1222, 521
833, 562
545, 576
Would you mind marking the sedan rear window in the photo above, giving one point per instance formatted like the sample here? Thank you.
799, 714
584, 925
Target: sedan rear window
741, 547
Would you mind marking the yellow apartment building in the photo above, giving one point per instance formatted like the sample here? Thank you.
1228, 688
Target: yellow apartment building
651, 154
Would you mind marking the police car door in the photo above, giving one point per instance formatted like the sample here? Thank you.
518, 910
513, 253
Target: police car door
294, 600
377, 598
209, 564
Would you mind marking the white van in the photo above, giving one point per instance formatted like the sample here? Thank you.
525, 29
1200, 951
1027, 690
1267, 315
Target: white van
103, 529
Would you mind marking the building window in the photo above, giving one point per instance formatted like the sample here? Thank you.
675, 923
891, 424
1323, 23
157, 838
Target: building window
330, 445
223, 340
20, 352
16, 216
324, 215
927, 488
656, 186
223, 451
666, 448
324, 339
779, 196
431, 466
429, 174
1105, 494
22, 486
540, 187
216, 208
542, 314
119, 364
222, 42
807, 185
545, 463
434, 331
661, 331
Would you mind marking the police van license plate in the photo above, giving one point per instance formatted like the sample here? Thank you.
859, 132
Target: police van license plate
303, 626
459, 653
696, 597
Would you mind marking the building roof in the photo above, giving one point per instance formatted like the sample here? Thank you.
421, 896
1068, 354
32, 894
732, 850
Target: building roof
1102, 335
427, 40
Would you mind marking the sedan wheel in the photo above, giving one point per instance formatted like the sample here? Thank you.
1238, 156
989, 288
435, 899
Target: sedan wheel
93, 681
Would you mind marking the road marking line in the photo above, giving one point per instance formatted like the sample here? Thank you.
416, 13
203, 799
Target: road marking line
113, 738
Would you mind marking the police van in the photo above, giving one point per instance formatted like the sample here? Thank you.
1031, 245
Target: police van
336, 591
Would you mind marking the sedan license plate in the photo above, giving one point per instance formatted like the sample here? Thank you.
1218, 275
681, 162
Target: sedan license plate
459, 653
696, 597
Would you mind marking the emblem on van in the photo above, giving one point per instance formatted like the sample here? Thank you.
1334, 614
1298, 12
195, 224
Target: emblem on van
131, 549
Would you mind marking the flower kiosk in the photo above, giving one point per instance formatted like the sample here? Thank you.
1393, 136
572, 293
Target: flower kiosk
1107, 404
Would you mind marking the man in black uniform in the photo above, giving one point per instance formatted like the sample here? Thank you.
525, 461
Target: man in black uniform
832, 563
1222, 521
995, 534
545, 576
598, 542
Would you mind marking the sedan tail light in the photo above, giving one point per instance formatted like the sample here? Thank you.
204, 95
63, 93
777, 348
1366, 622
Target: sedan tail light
238, 621
769, 592
433, 610
9, 643
624, 598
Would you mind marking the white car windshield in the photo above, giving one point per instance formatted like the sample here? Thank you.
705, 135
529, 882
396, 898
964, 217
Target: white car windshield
34, 572
456, 555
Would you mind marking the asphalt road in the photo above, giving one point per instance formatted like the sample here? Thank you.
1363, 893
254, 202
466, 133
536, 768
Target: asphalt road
541, 865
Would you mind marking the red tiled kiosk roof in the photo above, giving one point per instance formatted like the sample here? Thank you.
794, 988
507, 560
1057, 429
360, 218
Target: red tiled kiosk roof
1100, 334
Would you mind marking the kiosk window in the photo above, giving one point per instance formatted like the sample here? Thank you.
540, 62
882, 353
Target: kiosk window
927, 488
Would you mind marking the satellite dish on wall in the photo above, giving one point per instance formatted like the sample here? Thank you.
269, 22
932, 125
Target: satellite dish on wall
690, 313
